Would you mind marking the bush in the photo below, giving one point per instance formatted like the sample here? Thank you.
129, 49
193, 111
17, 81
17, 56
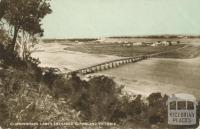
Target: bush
96, 99
99, 99
24, 99
103, 98
157, 110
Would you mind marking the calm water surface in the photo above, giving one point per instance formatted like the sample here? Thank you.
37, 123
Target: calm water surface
160, 75
152, 75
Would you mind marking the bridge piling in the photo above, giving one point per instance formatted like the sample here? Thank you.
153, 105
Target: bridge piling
111, 64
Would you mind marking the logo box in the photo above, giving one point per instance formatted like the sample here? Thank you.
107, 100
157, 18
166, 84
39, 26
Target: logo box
182, 109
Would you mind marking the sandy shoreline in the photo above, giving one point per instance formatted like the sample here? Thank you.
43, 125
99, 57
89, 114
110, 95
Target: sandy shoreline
54, 55
164, 75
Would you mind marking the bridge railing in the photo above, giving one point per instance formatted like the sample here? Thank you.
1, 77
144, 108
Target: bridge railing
133, 59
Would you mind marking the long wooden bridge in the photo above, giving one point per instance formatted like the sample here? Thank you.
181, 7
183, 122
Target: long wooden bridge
111, 64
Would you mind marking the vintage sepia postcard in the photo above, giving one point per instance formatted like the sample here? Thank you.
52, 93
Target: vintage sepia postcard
99, 64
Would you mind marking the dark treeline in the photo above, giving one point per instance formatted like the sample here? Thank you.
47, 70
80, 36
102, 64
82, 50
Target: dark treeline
158, 36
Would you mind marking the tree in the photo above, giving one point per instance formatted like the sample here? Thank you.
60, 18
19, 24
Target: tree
25, 17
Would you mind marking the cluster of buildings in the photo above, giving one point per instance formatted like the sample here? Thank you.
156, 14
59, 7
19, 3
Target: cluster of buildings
153, 44
130, 42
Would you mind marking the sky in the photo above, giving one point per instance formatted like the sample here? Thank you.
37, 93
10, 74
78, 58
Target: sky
103, 18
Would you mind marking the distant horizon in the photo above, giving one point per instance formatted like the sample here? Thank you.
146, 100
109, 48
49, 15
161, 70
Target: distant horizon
138, 36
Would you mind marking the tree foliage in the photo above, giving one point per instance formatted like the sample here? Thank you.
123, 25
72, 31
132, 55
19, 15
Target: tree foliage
24, 16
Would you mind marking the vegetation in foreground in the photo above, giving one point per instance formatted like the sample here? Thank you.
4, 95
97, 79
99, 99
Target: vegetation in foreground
29, 97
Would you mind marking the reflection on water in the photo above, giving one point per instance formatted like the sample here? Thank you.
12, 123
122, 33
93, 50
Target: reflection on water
163, 75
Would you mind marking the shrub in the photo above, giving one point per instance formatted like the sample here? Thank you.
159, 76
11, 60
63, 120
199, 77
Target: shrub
24, 99
157, 110
99, 99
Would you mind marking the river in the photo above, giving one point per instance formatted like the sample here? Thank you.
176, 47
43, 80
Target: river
168, 76
153, 75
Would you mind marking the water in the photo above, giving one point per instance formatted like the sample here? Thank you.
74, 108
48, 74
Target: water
153, 75
54, 55
160, 75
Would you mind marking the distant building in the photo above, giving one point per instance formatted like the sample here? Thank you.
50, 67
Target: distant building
156, 44
147, 43
161, 43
